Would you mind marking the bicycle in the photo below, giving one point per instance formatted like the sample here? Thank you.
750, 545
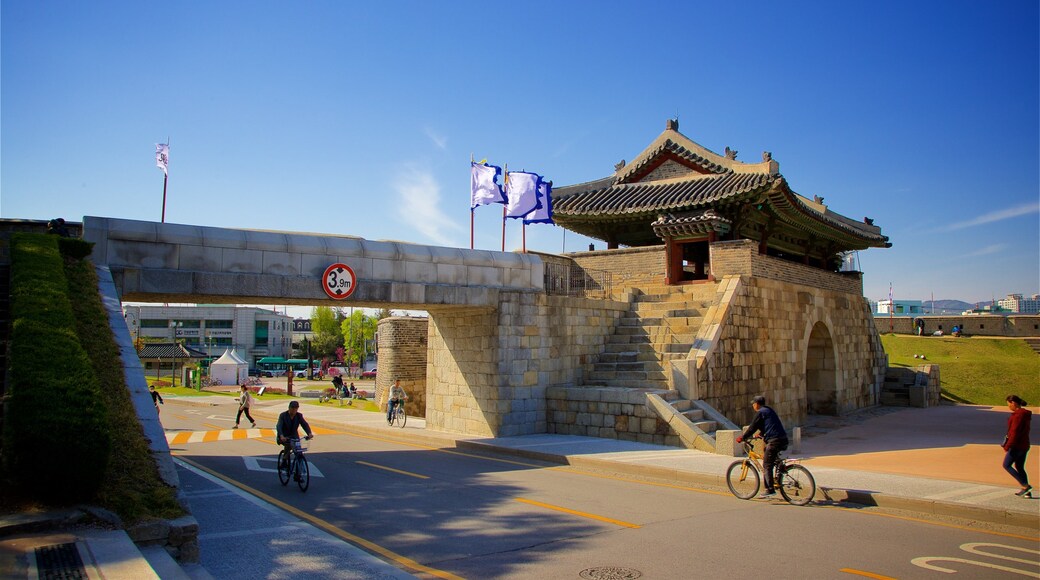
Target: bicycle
254, 381
398, 415
794, 481
294, 464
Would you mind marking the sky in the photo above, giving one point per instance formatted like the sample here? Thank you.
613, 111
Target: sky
360, 118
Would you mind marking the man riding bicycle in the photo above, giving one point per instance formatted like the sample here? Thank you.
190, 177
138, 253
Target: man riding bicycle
774, 435
397, 397
288, 428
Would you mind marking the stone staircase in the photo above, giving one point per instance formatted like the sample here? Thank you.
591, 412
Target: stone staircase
660, 327
1033, 343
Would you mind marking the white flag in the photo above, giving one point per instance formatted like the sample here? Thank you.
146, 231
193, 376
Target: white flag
162, 156
543, 213
483, 187
521, 193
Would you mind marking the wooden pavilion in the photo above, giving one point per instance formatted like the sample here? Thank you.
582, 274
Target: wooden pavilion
681, 194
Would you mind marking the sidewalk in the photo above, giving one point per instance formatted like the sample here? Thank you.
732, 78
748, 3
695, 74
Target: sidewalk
944, 460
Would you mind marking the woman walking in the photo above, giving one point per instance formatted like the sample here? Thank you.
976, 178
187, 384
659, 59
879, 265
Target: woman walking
1016, 443
244, 401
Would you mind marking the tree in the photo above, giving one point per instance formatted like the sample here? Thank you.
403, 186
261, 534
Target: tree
328, 335
358, 330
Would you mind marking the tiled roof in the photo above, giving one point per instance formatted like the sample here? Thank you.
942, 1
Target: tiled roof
657, 197
169, 350
690, 224
678, 150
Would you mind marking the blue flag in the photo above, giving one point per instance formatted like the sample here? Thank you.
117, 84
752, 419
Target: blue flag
543, 213
521, 193
484, 187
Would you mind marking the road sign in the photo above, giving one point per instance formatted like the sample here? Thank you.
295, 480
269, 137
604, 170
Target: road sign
339, 281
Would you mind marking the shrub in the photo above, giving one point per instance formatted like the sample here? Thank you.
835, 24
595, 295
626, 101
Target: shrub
56, 433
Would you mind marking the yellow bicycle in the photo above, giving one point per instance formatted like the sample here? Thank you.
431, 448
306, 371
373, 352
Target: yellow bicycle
793, 480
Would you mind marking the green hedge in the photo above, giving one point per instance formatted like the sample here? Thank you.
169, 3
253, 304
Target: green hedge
56, 433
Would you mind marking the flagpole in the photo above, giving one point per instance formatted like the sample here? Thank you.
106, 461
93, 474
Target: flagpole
523, 237
470, 207
506, 181
165, 177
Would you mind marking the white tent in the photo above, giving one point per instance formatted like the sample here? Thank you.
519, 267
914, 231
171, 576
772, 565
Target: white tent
229, 369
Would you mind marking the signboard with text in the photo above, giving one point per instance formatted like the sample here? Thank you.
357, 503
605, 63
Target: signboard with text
339, 281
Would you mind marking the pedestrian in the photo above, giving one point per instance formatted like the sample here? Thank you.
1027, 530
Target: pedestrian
1016, 443
156, 398
774, 435
245, 400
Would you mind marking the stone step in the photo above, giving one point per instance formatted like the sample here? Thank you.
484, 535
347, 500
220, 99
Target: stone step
630, 384
618, 357
682, 405
694, 415
628, 347
628, 375
627, 339
706, 426
620, 366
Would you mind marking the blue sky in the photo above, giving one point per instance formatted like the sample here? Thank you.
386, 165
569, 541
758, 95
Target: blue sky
360, 118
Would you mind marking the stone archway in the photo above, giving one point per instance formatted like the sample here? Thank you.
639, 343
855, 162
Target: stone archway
821, 374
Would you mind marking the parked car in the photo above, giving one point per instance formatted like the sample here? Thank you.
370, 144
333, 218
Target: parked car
369, 374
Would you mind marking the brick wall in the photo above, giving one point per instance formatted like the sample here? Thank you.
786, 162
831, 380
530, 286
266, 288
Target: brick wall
741, 258
402, 355
628, 267
667, 170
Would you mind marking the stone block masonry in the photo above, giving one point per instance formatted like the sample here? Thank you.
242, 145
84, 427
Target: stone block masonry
402, 355
607, 412
489, 368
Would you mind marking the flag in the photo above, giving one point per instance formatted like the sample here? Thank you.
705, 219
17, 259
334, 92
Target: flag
521, 193
162, 156
543, 213
484, 188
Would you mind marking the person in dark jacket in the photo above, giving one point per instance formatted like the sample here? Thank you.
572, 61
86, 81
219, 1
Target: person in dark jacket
288, 427
1016, 443
774, 435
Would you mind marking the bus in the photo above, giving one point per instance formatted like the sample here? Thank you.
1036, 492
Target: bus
274, 366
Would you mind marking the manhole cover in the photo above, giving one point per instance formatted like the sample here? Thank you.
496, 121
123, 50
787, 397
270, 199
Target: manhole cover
610, 573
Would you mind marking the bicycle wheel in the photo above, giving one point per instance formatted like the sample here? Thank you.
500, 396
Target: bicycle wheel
283, 467
743, 479
797, 485
303, 473
402, 417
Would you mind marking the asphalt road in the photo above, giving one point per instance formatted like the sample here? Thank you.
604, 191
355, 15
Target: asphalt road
476, 516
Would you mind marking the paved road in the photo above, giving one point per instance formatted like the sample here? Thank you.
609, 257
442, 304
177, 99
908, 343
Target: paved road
469, 515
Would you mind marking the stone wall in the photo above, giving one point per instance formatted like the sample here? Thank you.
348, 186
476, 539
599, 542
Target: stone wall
758, 339
608, 412
1023, 325
402, 355
741, 258
630, 267
489, 369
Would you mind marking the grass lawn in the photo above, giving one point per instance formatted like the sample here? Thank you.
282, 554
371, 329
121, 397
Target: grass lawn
976, 370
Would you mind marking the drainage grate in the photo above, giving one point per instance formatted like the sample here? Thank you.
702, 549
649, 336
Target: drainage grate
610, 573
59, 562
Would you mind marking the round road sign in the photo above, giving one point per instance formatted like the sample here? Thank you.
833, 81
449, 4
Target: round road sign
339, 281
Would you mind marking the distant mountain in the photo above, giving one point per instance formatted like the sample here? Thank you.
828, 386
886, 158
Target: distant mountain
947, 306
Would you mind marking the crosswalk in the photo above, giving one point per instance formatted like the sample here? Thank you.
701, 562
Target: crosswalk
184, 437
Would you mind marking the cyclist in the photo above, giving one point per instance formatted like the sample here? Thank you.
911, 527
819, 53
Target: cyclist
774, 435
288, 428
397, 397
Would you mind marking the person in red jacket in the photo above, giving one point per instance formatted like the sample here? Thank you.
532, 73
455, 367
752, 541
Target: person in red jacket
1016, 443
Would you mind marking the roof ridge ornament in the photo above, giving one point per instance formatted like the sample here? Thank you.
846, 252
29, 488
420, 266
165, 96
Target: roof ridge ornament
672, 124
767, 156
731, 153
619, 165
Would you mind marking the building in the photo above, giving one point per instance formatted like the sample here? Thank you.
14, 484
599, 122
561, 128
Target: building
252, 333
683, 195
1017, 304
899, 308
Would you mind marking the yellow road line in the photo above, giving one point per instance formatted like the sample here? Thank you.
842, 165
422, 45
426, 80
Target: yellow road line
408, 473
577, 513
212, 426
342, 534
867, 574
